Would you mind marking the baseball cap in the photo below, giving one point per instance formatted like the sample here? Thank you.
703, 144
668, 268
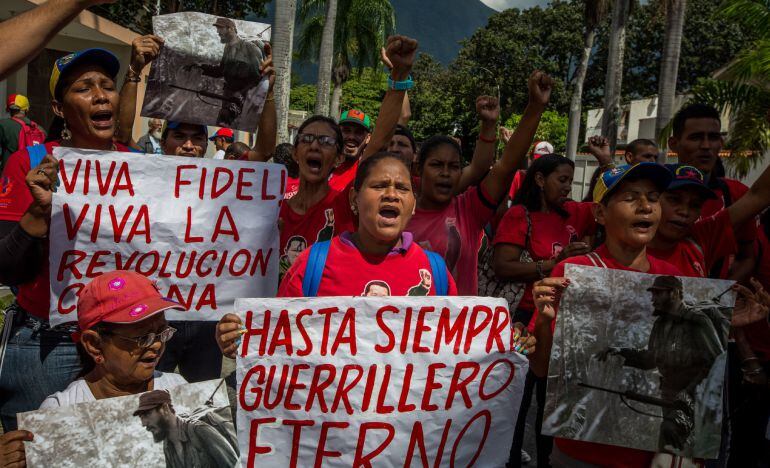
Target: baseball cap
541, 149
98, 56
222, 132
172, 124
225, 22
665, 283
120, 296
17, 101
611, 178
151, 400
357, 117
688, 176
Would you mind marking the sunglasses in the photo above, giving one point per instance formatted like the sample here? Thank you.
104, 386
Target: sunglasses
145, 341
323, 140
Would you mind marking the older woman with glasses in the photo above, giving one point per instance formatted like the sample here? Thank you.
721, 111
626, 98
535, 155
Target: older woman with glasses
121, 337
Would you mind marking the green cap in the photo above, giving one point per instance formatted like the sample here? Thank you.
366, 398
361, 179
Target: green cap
357, 117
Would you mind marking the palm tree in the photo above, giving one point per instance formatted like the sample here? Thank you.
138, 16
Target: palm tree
361, 28
593, 13
282, 40
325, 59
669, 64
613, 83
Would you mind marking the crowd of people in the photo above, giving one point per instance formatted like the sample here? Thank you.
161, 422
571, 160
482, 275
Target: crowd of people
370, 211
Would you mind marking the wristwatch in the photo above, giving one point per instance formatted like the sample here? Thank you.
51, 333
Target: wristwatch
405, 85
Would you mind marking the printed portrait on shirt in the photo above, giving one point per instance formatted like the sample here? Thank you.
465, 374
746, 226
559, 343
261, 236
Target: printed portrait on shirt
376, 288
423, 287
327, 232
294, 247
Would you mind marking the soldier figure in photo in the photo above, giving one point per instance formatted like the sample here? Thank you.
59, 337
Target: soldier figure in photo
187, 442
239, 66
684, 343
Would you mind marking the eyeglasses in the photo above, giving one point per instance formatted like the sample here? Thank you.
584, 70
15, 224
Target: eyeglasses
145, 341
323, 140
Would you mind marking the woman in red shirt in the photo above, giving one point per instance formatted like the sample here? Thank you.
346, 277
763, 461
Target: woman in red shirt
627, 205
450, 224
40, 359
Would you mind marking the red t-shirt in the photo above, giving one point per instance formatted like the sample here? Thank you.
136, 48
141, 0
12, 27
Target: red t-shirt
710, 239
455, 233
518, 179
15, 198
348, 272
324, 220
758, 333
550, 234
609, 456
292, 187
344, 174
746, 232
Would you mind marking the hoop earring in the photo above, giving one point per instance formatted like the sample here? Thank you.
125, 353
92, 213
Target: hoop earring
66, 134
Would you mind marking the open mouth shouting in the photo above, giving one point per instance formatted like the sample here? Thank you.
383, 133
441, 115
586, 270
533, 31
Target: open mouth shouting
643, 226
388, 215
314, 163
444, 188
103, 119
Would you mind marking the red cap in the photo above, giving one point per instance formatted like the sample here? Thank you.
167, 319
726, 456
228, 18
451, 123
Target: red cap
120, 297
222, 132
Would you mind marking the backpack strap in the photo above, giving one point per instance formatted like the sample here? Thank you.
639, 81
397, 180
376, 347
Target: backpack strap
596, 260
36, 154
438, 267
316, 262
528, 239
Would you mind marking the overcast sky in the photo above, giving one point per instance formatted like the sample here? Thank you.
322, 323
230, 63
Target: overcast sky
503, 4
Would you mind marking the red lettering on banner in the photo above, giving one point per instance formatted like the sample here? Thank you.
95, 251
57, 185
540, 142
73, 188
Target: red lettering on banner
305, 337
70, 264
405, 331
359, 459
296, 436
417, 439
258, 371
67, 182
265, 181
216, 191
142, 216
122, 179
391, 343
242, 183
117, 227
403, 406
501, 320
458, 384
381, 407
97, 223
430, 385
327, 314
208, 297
87, 177
419, 328
199, 267
487, 422
295, 385
255, 449
317, 386
72, 288
187, 237
321, 451
220, 230
349, 324
343, 388
72, 229
261, 261
450, 330
270, 385
176, 295
178, 182
119, 265
95, 263
488, 396
281, 328
369, 389
475, 330
251, 331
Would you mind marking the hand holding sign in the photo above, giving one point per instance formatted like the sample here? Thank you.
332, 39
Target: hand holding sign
12, 448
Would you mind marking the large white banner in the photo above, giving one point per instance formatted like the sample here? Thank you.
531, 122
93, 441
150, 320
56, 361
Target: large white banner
206, 230
387, 381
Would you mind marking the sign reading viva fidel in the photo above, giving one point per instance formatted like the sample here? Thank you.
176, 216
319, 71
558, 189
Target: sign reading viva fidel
386, 381
204, 229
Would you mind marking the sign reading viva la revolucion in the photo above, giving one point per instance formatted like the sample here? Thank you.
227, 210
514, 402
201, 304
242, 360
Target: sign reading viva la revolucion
204, 229
387, 381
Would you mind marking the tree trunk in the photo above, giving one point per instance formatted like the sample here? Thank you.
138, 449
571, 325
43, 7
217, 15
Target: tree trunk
282, 38
335, 105
614, 81
325, 60
669, 68
575, 106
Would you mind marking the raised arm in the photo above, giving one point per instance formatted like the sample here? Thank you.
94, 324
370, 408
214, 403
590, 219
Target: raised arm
25, 35
754, 202
400, 51
498, 181
144, 49
488, 110
406, 107
268, 126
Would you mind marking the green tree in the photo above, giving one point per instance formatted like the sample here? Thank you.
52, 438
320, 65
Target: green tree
553, 129
360, 30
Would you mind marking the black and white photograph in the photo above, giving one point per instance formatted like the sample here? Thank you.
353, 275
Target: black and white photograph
188, 425
638, 361
208, 71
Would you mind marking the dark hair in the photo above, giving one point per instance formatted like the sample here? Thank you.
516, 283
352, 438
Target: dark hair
322, 118
55, 129
366, 165
404, 131
237, 149
283, 155
433, 143
633, 147
529, 194
693, 111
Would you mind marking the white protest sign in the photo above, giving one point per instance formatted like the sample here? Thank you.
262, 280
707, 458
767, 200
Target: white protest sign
387, 381
204, 229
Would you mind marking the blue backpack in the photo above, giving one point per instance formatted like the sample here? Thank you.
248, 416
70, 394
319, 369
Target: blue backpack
36, 155
317, 261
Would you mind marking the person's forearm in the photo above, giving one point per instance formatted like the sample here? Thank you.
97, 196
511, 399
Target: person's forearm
406, 111
519, 143
483, 157
514, 270
21, 254
25, 35
390, 111
127, 113
538, 361
268, 132
754, 202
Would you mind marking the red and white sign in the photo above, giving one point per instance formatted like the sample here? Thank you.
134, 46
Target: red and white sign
387, 381
204, 229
